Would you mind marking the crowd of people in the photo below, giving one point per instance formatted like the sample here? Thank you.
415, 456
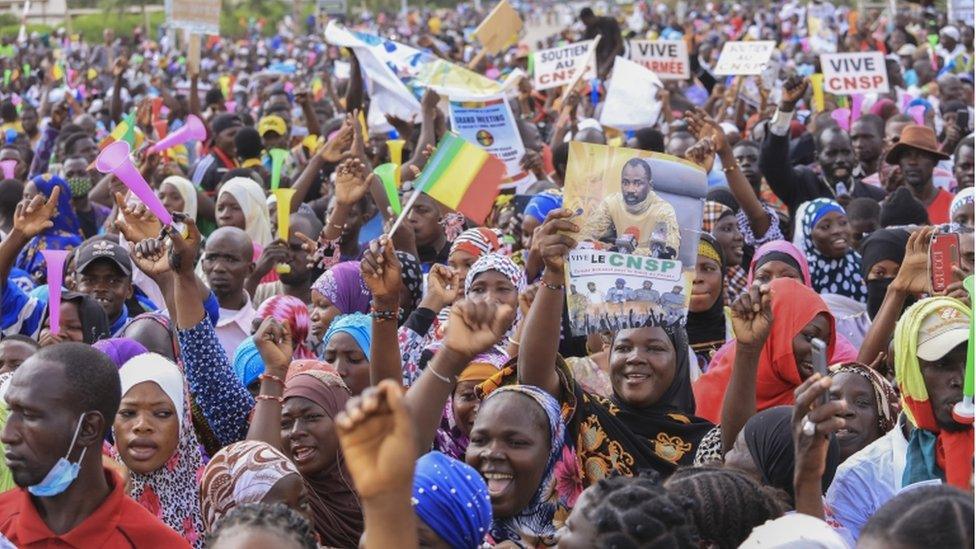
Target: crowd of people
346, 381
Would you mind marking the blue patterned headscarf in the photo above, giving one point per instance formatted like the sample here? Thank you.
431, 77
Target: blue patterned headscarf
248, 364
536, 519
357, 325
840, 276
452, 499
64, 235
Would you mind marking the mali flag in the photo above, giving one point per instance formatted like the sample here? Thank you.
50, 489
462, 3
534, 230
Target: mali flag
463, 177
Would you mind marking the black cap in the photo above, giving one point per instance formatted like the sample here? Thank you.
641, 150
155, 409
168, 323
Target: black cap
94, 250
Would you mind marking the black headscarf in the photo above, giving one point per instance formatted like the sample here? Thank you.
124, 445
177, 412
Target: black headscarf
706, 329
769, 436
94, 323
881, 245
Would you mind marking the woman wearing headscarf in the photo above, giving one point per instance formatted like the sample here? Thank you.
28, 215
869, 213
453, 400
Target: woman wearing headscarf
451, 500
347, 350
707, 325
525, 515
765, 449
241, 203
339, 291
178, 194
535, 213
120, 349
470, 246
298, 416
719, 221
291, 311
962, 207
155, 441
82, 319
823, 233
462, 406
872, 405
934, 452
648, 422
64, 234
247, 472
785, 357
882, 253
779, 259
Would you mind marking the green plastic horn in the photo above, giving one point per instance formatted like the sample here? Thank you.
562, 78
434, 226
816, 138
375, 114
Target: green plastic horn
277, 161
963, 411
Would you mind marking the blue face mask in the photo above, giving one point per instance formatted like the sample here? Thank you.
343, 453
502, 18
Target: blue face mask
62, 474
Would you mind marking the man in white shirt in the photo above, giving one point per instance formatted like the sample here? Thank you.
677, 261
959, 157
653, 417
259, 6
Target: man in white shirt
228, 259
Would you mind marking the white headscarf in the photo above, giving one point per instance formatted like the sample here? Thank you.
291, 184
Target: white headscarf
963, 197
159, 370
187, 191
253, 203
795, 530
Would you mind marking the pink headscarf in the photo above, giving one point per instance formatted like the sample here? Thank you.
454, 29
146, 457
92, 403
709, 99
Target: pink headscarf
290, 310
782, 247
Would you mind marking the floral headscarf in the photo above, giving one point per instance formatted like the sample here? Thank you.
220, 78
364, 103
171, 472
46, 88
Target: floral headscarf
831, 276
170, 493
343, 285
240, 473
885, 397
504, 265
536, 520
292, 311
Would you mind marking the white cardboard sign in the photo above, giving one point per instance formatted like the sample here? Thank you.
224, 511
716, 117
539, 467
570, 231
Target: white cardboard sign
668, 59
557, 66
850, 73
744, 58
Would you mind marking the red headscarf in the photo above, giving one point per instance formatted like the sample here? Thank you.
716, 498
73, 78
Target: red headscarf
794, 306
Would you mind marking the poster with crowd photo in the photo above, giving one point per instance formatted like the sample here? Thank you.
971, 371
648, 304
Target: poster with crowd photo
490, 124
634, 206
610, 291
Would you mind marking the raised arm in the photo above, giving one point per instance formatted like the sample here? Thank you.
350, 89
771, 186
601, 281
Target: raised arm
304, 100
273, 340
752, 318
473, 328
381, 273
704, 127
539, 345
912, 279
775, 151
118, 71
813, 425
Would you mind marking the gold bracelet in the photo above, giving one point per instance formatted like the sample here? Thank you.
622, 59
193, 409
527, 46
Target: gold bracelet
513, 342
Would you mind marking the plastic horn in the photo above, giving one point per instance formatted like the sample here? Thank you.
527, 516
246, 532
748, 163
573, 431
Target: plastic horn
283, 207
917, 113
55, 273
816, 80
964, 412
843, 118
193, 130
396, 157
277, 161
114, 159
8, 167
162, 128
857, 102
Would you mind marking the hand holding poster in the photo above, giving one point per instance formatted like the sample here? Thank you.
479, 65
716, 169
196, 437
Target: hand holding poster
745, 58
640, 214
852, 73
668, 59
490, 124
557, 66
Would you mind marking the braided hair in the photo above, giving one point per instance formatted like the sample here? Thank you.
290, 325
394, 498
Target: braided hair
278, 519
636, 512
729, 504
923, 517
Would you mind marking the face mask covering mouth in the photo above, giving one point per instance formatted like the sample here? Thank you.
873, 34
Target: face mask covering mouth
63, 473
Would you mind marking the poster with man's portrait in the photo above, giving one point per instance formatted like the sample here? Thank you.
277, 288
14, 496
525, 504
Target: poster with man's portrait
640, 216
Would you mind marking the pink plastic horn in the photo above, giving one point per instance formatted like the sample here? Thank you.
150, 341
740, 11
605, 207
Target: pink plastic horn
918, 114
55, 273
114, 159
843, 118
193, 130
8, 167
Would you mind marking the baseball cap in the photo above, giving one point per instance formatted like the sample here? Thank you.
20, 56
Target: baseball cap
102, 249
941, 331
272, 123
906, 50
